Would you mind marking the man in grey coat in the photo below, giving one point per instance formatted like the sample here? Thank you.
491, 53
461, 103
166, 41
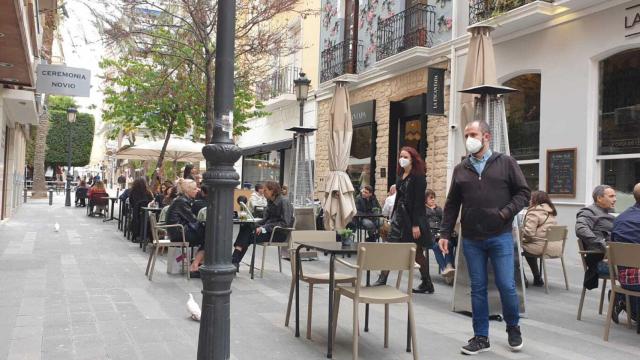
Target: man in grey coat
593, 227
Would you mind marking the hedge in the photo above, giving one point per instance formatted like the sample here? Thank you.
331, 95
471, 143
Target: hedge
58, 137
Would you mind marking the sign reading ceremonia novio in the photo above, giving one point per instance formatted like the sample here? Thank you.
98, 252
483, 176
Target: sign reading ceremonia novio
63, 80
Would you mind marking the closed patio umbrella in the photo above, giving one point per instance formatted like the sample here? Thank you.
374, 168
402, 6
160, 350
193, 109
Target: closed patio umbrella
338, 203
177, 150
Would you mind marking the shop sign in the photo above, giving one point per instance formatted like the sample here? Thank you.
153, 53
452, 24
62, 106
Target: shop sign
435, 92
363, 113
632, 21
63, 80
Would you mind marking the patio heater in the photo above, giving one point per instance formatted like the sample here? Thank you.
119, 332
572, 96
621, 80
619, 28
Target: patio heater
301, 192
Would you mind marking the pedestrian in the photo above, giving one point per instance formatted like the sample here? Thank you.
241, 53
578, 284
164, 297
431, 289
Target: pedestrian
122, 181
593, 228
409, 219
540, 216
139, 197
434, 218
491, 189
626, 228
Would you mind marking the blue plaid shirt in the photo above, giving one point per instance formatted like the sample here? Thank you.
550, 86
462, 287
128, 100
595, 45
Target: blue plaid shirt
479, 164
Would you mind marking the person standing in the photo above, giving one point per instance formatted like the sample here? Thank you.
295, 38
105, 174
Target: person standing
491, 189
409, 219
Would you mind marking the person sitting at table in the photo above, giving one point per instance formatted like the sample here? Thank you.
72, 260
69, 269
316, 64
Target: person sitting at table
200, 200
139, 197
434, 218
257, 201
179, 212
389, 201
626, 228
540, 215
279, 212
96, 192
367, 204
81, 194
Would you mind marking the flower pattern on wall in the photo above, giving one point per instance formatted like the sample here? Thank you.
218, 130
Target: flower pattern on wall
370, 13
330, 23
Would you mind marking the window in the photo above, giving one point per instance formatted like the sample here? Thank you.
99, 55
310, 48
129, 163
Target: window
523, 120
619, 124
259, 168
359, 168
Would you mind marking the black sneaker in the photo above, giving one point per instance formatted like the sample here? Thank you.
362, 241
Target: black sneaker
476, 345
515, 338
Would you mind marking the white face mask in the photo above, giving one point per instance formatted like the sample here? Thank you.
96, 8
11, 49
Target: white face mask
473, 145
404, 162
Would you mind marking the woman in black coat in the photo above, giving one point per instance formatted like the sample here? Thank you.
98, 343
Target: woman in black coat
179, 212
139, 197
409, 218
279, 212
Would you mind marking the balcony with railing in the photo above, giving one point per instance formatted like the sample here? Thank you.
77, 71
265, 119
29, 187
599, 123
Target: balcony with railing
341, 59
278, 83
412, 27
481, 10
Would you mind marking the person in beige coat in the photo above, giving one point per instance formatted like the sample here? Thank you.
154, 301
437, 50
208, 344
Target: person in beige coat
540, 215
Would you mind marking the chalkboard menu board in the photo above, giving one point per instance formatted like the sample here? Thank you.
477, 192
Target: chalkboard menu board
561, 172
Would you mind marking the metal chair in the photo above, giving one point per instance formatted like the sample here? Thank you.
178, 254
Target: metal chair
372, 257
627, 255
277, 231
311, 279
166, 243
583, 256
554, 234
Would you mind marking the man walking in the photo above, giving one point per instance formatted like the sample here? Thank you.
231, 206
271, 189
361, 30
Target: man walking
491, 189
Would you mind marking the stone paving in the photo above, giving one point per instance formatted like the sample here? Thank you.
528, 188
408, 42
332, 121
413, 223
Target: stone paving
81, 293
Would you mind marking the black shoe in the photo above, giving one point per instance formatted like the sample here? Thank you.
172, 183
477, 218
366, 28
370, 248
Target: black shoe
426, 286
515, 338
237, 265
538, 282
476, 345
382, 280
194, 274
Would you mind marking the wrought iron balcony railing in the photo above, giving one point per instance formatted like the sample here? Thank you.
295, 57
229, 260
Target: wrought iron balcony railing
413, 27
480, 10
278, 83
340, 59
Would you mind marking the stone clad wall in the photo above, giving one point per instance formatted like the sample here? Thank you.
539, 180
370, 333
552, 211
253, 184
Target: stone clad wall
384, 92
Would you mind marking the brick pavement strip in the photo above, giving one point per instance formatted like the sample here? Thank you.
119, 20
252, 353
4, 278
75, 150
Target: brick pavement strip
81, 293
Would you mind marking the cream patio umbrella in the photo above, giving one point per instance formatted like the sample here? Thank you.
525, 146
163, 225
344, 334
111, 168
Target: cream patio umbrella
338, 203
177, 150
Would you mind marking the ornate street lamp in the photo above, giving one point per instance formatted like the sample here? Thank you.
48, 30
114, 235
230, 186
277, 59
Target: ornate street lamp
221, 179
72, 113
302, 92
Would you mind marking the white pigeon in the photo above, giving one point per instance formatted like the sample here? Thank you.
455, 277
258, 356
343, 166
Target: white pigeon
56, 227
194, 308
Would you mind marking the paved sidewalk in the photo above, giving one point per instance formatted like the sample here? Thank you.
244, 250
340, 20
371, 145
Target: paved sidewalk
81, 293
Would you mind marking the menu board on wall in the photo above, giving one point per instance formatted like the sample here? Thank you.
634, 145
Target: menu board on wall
561, 172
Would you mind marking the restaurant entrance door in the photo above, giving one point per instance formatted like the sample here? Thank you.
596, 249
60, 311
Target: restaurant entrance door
408, 127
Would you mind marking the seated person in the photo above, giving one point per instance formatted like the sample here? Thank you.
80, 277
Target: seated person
257, 201
279, 212
179, 212
242, 201
387, 208
160, 195
540, 215
593, 227
139, 197
626, 228
434, 217
367, 204
81, 194
200, 201
97, 195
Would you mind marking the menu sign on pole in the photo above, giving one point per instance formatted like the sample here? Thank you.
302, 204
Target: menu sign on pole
561, 172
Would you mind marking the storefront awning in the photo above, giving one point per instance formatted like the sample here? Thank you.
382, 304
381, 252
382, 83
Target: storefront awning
267, 147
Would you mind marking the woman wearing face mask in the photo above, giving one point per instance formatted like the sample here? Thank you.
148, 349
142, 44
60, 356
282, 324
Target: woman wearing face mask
408, 218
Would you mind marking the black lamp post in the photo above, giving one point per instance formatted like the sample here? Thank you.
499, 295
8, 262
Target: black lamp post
220, 178
302, 92
72, 113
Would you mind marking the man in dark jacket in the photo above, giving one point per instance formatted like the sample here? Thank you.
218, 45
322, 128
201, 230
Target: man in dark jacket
367, 204
491, 189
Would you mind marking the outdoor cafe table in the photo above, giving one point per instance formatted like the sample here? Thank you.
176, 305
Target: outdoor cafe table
113, 200
145, 223
333, 249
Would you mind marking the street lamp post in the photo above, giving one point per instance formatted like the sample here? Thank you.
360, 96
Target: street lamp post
302, 92
71, 118
220, 178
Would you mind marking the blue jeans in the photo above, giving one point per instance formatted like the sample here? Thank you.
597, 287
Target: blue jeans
498, 249
443, 259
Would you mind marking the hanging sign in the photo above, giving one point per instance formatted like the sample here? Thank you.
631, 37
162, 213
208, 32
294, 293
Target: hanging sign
435, 92
63, 80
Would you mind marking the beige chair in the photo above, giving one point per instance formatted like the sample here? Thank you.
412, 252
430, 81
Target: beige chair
311, 279
554, 234
305, 219
620, 254
583, 256
159, 243
271, 243
375, 257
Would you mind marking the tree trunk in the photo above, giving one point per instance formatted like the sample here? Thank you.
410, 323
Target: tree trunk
39, 182
167, 136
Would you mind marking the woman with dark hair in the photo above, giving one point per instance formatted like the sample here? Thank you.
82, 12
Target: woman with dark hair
81, 194
408, 218
279, 212
541, 214
139, 197
162, 192
187, 172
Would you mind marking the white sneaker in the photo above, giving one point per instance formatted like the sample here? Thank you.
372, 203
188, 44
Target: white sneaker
448, 274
